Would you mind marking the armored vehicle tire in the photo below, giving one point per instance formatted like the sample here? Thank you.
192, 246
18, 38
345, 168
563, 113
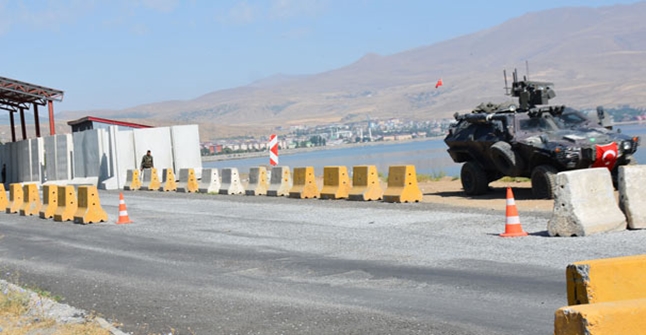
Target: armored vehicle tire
544, 181
506, 160
474, 179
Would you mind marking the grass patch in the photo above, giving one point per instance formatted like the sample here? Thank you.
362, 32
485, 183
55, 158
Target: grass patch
22, 314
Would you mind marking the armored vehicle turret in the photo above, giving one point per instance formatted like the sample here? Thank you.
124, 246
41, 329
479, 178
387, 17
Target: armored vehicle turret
532, 139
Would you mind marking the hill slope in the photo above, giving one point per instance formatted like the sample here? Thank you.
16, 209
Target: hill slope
594, 56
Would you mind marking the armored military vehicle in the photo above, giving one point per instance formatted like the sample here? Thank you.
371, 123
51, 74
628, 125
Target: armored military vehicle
531, 139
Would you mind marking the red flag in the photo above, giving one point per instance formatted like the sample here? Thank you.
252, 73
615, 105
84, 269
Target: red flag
439, 83
606, 156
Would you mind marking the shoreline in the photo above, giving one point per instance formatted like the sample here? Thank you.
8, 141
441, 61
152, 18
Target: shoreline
246, 155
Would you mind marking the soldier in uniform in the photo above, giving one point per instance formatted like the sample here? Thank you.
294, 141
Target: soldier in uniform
147, 161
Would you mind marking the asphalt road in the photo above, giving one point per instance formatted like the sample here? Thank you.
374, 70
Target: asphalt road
215, 264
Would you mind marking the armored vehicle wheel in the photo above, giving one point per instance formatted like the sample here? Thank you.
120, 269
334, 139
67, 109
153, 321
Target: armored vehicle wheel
474, 179
506, 160
544, 181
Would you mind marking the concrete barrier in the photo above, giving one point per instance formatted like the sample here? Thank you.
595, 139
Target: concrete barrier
336, 182
231, 184
15, 198
4, 202
210, 182
603, 280
150, 180
258, 183
50, 201
133, 180
402, 185
89, 206
304, 186
168, 182
365, 184
280, 181
584, 204
31, 201
626, 317
67, 204
187, 181
632, 198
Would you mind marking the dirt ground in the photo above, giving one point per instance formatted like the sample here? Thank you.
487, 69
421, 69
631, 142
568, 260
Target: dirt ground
448, 191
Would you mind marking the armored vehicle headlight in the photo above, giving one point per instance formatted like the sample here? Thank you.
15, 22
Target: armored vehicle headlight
626, 145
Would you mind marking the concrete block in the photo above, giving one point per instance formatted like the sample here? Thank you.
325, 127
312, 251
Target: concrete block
231, 184
365, 184
584, 204
258, 182
336, 182
169, 183
402, 185
210, 182
632, 198
280, 181
608, 279
187, 181
89, 206
304, 184
625, 317
150, 180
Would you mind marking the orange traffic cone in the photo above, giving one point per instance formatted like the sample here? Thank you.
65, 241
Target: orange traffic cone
123, 213
512, 224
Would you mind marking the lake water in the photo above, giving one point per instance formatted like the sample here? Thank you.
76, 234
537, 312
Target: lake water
429, 156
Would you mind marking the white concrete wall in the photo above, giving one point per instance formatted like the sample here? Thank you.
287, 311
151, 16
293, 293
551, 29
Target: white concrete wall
88, 152
64, 154
186, 148
125, 155
23, 158
158, 141
36, 159
50, 157
102, 156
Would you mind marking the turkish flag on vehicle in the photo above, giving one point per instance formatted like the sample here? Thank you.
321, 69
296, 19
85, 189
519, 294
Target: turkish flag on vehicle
606, 156
439, 83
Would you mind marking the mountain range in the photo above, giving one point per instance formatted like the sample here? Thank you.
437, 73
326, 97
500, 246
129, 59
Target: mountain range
594, 56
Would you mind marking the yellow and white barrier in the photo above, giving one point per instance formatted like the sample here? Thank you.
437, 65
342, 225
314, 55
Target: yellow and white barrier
606, 296
50, 201
231, 184
336, 182
258, 183
15, 198
365, 184
67, 204
150, 180
187, 181
133, 180
304, 184
280, 181
402, 185
32, 204
168, 182
89, 206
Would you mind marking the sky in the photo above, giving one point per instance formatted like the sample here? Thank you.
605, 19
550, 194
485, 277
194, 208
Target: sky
116, 54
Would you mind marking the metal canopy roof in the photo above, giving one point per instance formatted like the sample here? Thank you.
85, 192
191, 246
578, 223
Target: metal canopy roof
15, 94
